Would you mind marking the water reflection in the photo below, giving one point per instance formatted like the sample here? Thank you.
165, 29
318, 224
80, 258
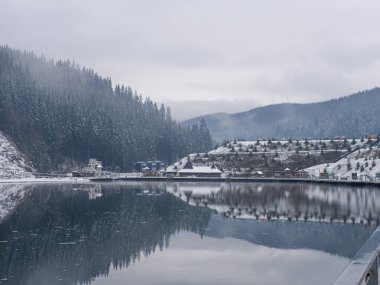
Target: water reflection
306, 202
70, 234
192, 260
57, 235
10, 195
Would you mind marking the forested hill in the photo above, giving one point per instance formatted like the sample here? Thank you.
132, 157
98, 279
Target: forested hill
351, 116
60, 115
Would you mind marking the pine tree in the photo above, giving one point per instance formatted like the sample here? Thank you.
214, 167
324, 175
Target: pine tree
58, 113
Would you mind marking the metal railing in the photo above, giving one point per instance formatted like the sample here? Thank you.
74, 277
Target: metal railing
364, 267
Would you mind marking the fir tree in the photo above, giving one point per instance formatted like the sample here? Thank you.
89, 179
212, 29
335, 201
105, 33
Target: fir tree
58, 113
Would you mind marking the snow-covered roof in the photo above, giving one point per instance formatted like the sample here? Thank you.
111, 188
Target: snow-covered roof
200, 169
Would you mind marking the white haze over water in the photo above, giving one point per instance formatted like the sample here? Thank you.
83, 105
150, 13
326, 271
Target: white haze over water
234, 55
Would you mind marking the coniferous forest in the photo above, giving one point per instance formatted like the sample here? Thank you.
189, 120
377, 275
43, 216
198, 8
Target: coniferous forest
60, 114
351, 116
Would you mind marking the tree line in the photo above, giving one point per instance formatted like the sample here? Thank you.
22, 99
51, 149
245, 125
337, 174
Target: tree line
60, 114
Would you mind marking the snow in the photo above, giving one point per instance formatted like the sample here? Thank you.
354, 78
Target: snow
12, 162
200, 169
283, 147
180, 163
363, 157
29, 180
282, 151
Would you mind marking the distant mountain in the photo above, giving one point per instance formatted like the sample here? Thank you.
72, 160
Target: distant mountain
350, 116
59, 115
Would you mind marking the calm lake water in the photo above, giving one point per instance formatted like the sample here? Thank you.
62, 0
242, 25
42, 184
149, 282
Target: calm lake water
182, 233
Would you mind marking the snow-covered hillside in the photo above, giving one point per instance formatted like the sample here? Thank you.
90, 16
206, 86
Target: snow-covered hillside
12, 162
175, 167
245, 158
365, 162
286, 147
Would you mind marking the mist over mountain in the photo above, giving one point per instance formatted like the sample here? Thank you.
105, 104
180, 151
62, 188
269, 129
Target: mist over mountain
351, 116
60, 115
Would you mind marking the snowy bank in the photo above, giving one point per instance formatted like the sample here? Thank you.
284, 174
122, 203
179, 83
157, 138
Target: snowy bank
12, 162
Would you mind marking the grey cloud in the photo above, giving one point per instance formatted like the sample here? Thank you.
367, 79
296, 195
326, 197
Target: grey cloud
257, 52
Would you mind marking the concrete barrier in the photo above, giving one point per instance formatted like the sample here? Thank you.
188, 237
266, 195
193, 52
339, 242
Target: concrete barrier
364, 267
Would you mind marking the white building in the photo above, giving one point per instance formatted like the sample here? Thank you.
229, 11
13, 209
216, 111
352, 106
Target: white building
94, 165
200, 171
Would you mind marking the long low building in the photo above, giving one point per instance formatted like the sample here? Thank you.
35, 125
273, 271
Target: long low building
200, 171
189, 170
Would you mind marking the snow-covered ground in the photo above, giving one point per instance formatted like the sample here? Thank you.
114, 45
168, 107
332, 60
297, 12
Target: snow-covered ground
285, 146
30, 180
365, 162
12, 163
232, 154
180, 163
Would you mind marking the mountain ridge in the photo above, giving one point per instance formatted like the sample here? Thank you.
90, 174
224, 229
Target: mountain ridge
353, 116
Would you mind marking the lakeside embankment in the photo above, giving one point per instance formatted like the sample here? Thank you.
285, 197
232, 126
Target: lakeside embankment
244, 180
191, 179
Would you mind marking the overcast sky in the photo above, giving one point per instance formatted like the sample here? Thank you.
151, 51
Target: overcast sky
209, 55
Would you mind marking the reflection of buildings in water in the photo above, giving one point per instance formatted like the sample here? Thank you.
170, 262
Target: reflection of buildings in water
194, 187
94, 191
149, 191
268, 201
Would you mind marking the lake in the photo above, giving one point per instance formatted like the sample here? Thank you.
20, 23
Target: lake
182, 233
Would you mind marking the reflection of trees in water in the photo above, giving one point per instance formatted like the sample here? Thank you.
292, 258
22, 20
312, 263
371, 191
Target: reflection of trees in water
295, 201
10, 196
59, 233
266, 202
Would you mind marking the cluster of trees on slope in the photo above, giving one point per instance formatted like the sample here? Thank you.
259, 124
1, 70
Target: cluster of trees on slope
351, 116
60, 115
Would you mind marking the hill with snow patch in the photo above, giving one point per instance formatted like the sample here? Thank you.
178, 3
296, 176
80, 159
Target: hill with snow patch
245, 158
365, 162
12, 163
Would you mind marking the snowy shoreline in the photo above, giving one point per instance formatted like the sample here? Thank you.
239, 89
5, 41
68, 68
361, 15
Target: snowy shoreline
70, 180
31, 180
